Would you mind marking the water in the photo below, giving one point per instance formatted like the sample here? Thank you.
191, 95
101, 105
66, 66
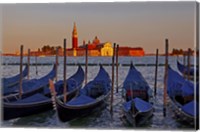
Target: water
102, 119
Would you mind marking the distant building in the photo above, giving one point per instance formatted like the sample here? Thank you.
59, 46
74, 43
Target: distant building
129, 51
96, 48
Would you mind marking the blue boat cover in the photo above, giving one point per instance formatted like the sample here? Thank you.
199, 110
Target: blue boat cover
177, 85
34, 98
102, 75
97, 87
59, 87
73, 82
189, 108
33, 84
28, 84
183, 69
100, 84
6, 82
135, 80
80, 100
40, 97
140, 105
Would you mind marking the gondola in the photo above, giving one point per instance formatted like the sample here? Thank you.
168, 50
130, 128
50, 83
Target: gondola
137, 94
181, 93
184, 70
30, 86
14, 80
41, 101
91, 98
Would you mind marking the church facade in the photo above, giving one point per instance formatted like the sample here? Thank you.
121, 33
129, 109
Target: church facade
97, 48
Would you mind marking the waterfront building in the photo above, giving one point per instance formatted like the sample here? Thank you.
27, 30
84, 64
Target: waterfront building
97, 48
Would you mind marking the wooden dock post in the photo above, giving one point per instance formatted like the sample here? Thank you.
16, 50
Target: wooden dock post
20, 69
113, 68
117, 49
65, 81
156, 70
188, 73
184, 63
165, 77
86, 63
36, 65
56, 64
28, 64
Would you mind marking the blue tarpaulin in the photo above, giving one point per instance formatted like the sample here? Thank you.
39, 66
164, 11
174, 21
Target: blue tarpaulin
140, 105
81, 100
33, 84
34, 98
189, 108
15, 79
184, 69
73, 82
102, 75
177, 85
26, 85
100, 84
135, 80
95, 88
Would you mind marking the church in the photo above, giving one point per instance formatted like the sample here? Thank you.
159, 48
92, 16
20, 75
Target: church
97, 48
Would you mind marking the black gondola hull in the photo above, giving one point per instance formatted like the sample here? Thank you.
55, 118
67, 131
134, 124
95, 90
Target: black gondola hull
180, 115
133, 90
66, 113
138, 119
12, 111
15, 111
28, 104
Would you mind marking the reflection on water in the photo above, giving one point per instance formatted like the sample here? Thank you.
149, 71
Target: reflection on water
102, 119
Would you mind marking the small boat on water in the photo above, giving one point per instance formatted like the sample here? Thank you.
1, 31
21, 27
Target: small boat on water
30, 86
137, 107
184, 70
14, 80
182, 97
91, 98
41, 101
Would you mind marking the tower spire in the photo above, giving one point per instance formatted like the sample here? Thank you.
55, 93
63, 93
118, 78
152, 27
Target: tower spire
74, 37
75, 30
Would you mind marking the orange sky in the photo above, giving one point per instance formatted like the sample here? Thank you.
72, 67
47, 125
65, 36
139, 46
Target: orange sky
144, 24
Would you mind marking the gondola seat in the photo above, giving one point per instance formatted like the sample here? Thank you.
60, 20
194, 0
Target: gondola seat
81, 100
94, 89
34, 98
140, 105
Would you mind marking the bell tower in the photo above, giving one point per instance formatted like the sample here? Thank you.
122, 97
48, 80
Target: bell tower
74, 37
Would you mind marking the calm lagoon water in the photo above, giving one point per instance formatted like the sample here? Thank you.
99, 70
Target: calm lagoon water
102, 119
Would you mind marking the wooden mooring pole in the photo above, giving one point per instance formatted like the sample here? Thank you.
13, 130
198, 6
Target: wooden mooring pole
156, 70
86, 63
65, 81
188, 73
113, 68
117, 49
184, 63
20, 69
36, 64
28, 77
165, 78
56, 64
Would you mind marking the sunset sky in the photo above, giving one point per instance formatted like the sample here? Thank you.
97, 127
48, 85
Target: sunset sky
135, 24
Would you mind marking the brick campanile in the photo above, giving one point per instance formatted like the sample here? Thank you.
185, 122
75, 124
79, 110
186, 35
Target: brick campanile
74, 37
